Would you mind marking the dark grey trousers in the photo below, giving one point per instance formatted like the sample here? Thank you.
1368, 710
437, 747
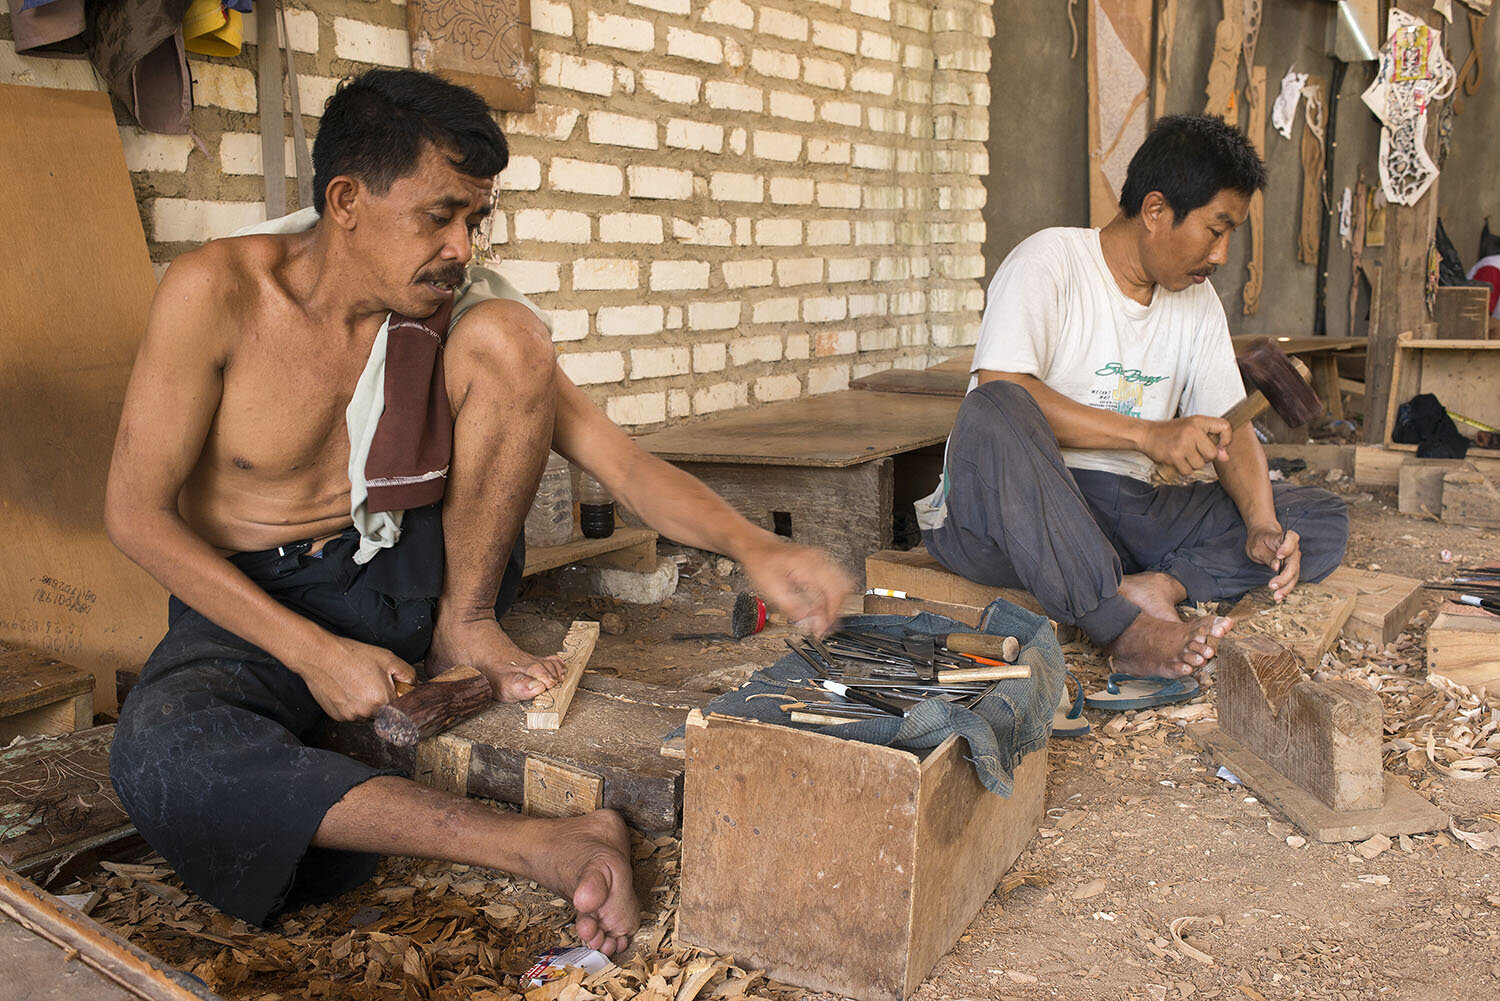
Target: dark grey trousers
1018, 517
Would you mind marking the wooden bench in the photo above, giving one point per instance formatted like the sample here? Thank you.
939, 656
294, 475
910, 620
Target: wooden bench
629, 548
42, 696
821, 470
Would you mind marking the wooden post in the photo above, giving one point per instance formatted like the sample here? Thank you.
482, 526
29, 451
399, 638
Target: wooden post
1400, 302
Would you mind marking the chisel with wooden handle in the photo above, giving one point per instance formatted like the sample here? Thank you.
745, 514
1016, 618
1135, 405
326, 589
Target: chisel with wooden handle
1006, 648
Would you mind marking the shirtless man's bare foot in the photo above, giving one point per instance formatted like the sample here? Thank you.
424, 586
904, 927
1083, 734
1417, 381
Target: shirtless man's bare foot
586, 859
514, 674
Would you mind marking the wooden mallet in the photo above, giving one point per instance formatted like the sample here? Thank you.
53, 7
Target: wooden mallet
421, 711
1276, 384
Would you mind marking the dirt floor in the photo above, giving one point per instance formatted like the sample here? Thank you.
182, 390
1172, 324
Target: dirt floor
1151, 877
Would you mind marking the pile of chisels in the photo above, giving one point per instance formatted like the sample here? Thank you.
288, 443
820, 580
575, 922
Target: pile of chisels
870, 674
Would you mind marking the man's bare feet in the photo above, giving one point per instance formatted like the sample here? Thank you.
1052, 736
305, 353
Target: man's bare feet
514, 674
588, 860
1155, 648
1156, 594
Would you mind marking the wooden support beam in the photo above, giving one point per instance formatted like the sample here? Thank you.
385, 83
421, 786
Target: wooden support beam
1375, 466
1400, 301
1324, 737
547, 710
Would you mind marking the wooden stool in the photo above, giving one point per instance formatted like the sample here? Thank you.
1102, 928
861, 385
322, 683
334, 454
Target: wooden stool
41, 696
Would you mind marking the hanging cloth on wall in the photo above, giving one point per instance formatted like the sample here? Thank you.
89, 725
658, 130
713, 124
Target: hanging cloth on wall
48, 27
136, 45
215, 27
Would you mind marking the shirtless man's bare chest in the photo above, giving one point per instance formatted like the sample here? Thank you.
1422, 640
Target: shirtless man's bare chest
274, 465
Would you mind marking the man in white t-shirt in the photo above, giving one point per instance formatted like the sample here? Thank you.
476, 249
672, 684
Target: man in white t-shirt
1101, 353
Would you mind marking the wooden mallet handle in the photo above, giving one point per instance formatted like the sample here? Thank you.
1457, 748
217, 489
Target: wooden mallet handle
422, 711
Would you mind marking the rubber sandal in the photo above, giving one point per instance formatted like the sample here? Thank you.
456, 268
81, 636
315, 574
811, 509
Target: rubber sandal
1125, 691
1068, 722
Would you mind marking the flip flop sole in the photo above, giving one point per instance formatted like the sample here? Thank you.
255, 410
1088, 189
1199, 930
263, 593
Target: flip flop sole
1143, 693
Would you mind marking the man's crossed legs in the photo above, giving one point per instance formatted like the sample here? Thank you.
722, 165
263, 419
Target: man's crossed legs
1106, 552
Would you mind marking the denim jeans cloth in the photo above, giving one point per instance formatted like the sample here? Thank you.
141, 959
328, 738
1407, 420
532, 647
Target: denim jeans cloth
1000, 729
214, 757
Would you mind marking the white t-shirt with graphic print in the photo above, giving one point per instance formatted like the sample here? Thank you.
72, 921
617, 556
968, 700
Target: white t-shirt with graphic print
1055, 312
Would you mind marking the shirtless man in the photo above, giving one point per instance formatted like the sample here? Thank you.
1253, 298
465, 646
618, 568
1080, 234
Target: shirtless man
1102, 352
231, 485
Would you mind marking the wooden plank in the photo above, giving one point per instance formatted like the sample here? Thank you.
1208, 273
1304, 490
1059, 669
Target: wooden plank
139, 975
1383, 603
67, 591
919, 842
39, 970
1319, 458
833, 429
614, 730
1470, 498
76, 713
843, 510
1300, 345
547, 710
56, 799
1419, 483
629, 548
1324, 737
553, 790
1463, 645
1307, 623
916, 572
1401, 811
923, 382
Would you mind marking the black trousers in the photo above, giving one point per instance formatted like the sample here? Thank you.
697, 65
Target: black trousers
214, 755
1018, 517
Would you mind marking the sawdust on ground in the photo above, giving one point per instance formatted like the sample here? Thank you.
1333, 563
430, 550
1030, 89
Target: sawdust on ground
1151, 878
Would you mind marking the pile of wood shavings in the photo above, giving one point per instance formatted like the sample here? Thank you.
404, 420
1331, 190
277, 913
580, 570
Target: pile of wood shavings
418, 931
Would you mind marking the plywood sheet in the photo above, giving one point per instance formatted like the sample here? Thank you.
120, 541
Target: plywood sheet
928, 382
836, 429
77, 283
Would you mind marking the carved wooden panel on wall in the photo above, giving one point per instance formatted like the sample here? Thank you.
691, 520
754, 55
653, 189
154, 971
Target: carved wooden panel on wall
482, 44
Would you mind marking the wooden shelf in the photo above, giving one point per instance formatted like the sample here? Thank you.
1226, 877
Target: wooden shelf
1462, 374
627, 549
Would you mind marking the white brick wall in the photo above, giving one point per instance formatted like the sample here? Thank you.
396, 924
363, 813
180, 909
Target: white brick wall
787, 191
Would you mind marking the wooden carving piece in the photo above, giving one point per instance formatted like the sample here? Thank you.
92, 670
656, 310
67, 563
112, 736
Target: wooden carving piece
1229, 40
1309, 235
547, 710
484, 46
1255, 105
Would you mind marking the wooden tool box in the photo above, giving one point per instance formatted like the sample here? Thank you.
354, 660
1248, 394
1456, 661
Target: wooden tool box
840, 866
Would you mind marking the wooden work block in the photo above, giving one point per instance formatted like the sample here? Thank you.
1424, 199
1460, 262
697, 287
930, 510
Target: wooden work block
1319, 458
839, 866
923, 382
42, 696
1420, 485
1463, 645
56, 800
1375, 466
1383, 602
1401, 811
917, 573
1307, 623
1471, 497
613, 732
1322, 736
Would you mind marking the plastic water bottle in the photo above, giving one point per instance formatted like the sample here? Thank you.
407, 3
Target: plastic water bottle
550, 520
596, 509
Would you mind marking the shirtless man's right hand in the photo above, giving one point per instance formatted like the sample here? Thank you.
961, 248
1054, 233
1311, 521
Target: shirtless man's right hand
352, 680
1187, 444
